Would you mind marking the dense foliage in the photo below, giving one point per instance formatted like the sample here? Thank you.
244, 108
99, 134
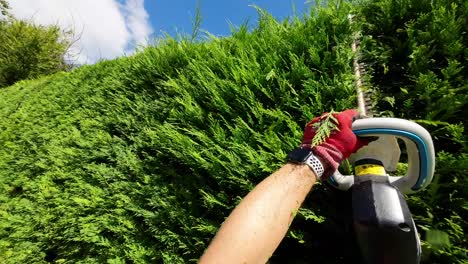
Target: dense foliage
139, 160
28, 51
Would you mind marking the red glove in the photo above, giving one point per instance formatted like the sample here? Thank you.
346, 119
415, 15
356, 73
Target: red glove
339, 146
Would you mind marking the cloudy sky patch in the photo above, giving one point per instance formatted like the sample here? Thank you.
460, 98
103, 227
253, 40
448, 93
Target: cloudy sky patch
104, 29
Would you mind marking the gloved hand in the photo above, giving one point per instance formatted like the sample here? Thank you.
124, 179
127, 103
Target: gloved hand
339, 146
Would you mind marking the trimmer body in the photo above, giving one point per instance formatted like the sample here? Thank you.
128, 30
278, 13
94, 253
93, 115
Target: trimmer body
383, 224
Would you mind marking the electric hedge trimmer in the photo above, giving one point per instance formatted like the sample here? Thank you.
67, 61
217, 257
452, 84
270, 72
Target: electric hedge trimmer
383, 224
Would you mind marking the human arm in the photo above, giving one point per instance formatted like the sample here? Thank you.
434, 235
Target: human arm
257, 225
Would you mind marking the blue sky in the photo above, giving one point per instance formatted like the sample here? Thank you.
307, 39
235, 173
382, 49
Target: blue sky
106, 29
169, 16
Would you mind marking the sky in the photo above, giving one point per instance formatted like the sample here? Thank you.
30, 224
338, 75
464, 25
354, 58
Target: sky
106, 29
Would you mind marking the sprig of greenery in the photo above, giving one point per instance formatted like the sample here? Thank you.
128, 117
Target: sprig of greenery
326, 125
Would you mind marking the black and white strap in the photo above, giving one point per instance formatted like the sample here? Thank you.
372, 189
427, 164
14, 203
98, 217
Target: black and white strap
315, 164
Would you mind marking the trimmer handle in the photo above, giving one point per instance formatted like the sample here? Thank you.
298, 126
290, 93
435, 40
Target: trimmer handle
419, 146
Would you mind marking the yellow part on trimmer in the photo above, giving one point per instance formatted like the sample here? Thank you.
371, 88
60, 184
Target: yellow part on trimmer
366, 169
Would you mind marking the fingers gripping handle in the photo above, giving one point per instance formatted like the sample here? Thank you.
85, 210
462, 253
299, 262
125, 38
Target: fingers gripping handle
420, 149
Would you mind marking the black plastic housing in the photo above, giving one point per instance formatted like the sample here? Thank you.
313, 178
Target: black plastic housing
383, 224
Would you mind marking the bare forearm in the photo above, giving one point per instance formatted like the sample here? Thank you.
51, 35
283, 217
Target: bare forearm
258, 224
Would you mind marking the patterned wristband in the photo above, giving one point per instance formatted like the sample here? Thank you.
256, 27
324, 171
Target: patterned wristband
315, 164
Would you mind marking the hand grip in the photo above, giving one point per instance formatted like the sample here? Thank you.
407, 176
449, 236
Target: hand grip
420, 149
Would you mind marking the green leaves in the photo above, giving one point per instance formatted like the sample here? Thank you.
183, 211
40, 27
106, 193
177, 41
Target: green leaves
29, 51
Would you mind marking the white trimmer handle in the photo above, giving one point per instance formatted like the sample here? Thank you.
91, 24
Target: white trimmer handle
419, 146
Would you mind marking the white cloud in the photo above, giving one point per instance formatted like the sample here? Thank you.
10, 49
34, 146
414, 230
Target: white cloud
106, 28
137, 21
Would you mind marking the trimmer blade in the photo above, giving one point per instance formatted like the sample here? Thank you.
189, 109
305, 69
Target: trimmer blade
365, 104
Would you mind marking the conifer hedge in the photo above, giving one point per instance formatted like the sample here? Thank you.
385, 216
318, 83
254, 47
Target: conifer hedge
140, 159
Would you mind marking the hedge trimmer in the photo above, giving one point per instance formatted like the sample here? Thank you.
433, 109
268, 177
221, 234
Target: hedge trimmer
383, 224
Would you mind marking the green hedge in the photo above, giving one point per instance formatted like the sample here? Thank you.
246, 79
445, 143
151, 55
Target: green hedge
139, 160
